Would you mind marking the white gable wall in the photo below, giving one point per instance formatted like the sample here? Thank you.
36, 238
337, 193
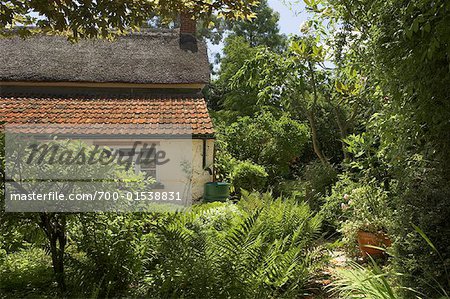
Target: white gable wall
184, 172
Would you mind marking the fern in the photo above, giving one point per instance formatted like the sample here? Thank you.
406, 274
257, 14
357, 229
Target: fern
260, 250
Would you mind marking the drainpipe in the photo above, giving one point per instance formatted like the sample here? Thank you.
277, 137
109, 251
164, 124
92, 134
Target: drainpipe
204, 158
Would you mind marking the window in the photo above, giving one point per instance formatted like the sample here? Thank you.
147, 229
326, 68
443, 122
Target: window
144, 161
148, 163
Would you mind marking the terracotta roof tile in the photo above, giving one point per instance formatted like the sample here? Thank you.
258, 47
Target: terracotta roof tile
155, 112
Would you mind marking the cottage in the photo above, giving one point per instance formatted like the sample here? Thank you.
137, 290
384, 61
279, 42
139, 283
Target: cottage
151, 80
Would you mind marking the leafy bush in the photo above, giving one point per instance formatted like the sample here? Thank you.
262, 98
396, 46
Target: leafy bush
424, 202
266, 140
319, 179
248, 176
262, 250
312, 186
291, 188
358, 206
241, 174
332, 213
17, 234
25, 269
224, 163
368, 205
108, 251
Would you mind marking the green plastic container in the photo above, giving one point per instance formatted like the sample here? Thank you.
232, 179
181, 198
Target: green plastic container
216, 191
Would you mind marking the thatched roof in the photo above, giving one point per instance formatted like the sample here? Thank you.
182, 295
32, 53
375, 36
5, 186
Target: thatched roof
147, 57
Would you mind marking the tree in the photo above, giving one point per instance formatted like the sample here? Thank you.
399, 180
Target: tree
233, 102
291, 81
263, 30
273, 142
87, 19
28, 177
243, 39
401, 47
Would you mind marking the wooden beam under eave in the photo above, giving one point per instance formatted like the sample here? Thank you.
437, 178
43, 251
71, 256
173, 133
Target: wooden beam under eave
105, 85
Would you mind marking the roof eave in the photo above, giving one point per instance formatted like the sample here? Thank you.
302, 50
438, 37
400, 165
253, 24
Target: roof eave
190, 85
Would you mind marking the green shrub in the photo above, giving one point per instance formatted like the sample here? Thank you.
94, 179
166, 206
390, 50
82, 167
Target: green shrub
25, 269
224, 163
261, 250
108, 251
424, 203
266, 140
319, 179
332, 213
241, 174
358, 206
248, 176
292, 189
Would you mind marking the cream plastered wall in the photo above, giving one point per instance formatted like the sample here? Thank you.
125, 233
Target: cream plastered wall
184, 172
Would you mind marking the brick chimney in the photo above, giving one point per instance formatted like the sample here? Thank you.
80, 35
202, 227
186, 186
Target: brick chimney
188, 27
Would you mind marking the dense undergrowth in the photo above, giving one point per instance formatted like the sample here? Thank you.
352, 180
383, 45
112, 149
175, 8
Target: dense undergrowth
261, 247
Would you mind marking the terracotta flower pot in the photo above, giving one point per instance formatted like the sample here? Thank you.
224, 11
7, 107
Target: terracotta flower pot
372, 239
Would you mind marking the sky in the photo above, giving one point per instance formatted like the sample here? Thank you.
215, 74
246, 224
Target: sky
290, 19
289, 23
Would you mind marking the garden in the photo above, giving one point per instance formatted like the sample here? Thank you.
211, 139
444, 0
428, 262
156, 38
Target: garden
336, 145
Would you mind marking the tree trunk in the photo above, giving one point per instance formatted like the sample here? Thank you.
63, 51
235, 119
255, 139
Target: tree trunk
315, 138
342, 131
312, 119
54, 226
